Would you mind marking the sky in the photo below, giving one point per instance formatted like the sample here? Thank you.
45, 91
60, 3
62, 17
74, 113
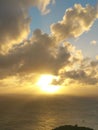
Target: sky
49, 37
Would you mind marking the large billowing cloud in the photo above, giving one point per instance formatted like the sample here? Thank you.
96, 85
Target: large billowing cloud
44, 53
76, 21
38, 55
15, 21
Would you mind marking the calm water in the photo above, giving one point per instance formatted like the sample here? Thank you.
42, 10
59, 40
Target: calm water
45, 113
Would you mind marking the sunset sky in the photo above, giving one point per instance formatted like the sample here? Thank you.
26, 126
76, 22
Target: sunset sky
53, 41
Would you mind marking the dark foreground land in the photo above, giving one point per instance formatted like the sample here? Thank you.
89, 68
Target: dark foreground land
70, 127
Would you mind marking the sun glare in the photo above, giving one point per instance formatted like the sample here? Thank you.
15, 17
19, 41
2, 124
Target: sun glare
45, 84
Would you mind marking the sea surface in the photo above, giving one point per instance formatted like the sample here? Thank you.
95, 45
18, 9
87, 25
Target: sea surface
23, 112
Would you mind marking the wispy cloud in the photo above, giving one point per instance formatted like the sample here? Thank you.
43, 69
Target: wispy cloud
94, 42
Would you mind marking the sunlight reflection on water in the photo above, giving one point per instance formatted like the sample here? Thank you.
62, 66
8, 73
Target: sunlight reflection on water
47, 113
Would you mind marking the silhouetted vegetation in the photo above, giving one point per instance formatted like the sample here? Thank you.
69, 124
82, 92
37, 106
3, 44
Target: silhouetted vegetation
70, 127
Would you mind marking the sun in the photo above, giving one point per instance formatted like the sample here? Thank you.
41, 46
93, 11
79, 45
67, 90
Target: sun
45, 84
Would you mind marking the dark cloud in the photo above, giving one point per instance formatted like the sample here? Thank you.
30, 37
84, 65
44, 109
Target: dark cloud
84, 73
39, 55
15, 20
82, 77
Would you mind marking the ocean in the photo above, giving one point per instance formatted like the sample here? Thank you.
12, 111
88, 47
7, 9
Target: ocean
23, 112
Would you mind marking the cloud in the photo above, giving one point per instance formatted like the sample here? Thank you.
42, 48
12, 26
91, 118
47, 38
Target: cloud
82, 77
15, 20
44, 53
38, 55
84, 73
93, 42
76, 21
96, 57
42, 4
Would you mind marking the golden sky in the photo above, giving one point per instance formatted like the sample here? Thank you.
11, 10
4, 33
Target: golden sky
26, 57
